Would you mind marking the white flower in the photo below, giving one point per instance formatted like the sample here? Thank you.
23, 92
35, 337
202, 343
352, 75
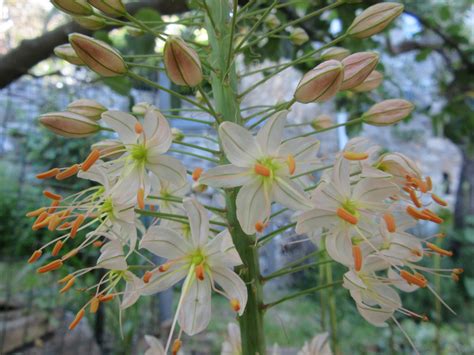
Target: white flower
165, 190
155, 347
263, 166
319, 345
232, 345
203, 262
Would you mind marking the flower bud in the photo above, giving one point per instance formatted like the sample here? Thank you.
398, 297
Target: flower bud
141, 108
398, 165
88, 108
374, 19
69, 124
299, 36
73, 7
337, 53
109, 7
98, 55
181, 62
66, 52
272, 21
322, 122
177, 134
90, 22
388, 112
357, 68
320, 83
110, 148
370, 83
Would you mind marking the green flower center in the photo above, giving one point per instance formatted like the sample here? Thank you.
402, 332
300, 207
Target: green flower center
351, 207
198, 258
267, 167
107, 206
138, 153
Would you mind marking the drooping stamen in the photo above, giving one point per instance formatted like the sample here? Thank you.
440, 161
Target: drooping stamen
51, 195
429, 183
290, 160
439, 200
90, 160
76, 224
36, 212
197, 173
138, 128
65, 279
68, 285
48, 174
260, 226
53, 265
199, 270
72, 170
235, 304
415, 213
357, 255
390, 222
458, 270
64, 226
414, 198
420, 184
347, 216
262, 170
53, 207
141, 198
164, 267
57, 247
147, 276
95, 303
176, 346
35, 256
413, 279
355, 155
76, 320
439, 250
455, 277
54, 222
106, 298
431, 216
416, 252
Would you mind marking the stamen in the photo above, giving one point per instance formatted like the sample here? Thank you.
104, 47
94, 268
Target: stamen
53, 265
355, 156
69, 255
57, 247
66, 279
390, 222
199, 270
51, 195
73, 170
75, 226
138, 128
35, 256
90, 160
48, 174
260, 226
147, 276
197, 173
95, 303
416, 252
433, 217
176, 346
439, 250
439, 200
164, 267
64, 226
36, 213
68, 285
235, 304
98, 243
420, 184
141, 198
357, 255
106, 298
455, 277
53, 222
76, 320
415, 213
429, 183
54, 205
413, 279
414, 198
291, 164
345, 215
458, 271
262, 170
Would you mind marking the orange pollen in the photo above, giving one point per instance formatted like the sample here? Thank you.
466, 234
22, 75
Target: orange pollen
199, 270
197, 173
141, 198
72, 170
355, 156
415, 213
176, 346
291, 164
429, 183
106, 298
54, 222
357, 255
51, 195
75, 226
35, 256
418, 280
433, 217
390, 222
414, 198
95, 303
69, 255
98, 243
147, 276
64, 226
235, 304
90, 160
68, 285
416, 252
53, 207
439, 200
41, 217
41, 224
455, 277
66, 279
48, 174
164, 267
36, 213
439, 250
76, 320
345, 215
138, 128
260, 226
57, 247
458, 271
53, 265
262, 170
420, 184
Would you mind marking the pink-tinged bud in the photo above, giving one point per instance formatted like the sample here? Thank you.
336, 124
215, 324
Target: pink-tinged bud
357, 67
299, 36
90, 22
272, 21
68, 124
109, 7
88, 108
388, 112
98, 55
73, 7
374, 19
337, 53
181, 62
372, 82
177, 134
320, 83
322, 122
109, 148
66, 52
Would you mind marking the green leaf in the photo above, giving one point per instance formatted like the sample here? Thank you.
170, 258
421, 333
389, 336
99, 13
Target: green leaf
423, 54
444, 13
147, 14
119, 84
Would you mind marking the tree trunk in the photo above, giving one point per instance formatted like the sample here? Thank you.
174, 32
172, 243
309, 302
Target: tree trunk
465, 193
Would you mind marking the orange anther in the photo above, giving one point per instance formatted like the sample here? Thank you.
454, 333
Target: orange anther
429, 183
431, 216
57, 247
51, 195
35, 256
147, 276
425, 318
98, 243
357, 255
106, 298
290, 160
54, 206
347, 216
420, 184
141, 198
413, 279
76, 224
90, 160
262, 170
43, 223
439, 250
76, 320
235, 304
72, 170
54, 221
197, 173
416, 252
94, 306
69, 255
176, 346
138, 128
164, 267
48, 174
68, 285
415, 213
199, 270
260, 226
439, 200
64, 226
414, 198
458, 271
37, 212
65, 279
390, 222
455, 277
53, 265
354, 155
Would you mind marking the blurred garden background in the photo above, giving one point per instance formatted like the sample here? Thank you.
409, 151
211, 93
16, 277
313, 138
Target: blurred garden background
427, 57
